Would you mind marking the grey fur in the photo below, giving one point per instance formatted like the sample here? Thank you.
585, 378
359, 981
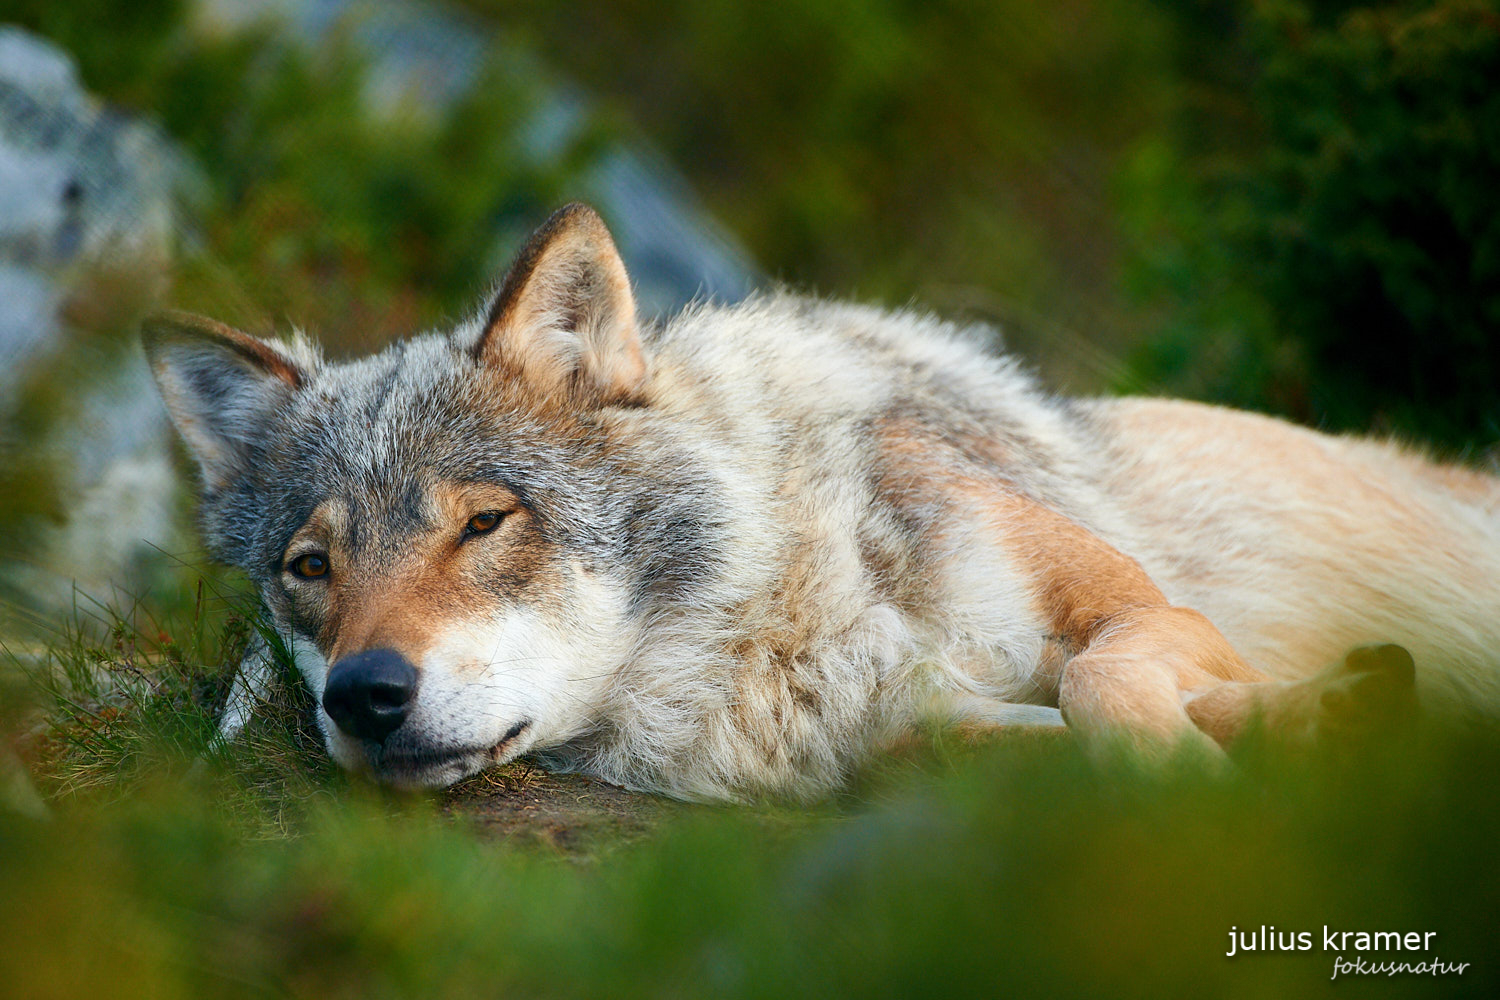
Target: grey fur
738, 593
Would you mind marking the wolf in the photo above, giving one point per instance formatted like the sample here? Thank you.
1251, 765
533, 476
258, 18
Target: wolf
731, 554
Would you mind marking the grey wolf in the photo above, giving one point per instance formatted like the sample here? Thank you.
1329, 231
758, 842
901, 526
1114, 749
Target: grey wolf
733, 553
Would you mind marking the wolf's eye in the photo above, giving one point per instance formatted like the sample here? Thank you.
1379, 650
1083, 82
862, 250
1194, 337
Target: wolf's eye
310, 566
480, 523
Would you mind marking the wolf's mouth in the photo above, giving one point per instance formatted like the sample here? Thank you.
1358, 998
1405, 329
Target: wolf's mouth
417, 761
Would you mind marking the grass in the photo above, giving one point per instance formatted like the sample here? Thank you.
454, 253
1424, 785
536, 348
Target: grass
168, 868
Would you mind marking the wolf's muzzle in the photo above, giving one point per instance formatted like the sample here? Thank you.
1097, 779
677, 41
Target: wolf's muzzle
368, 694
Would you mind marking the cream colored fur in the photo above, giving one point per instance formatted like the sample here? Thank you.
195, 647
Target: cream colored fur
880, 523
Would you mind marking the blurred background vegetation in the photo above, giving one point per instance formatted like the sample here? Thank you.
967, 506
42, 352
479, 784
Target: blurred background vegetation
1288, 205
1281, 204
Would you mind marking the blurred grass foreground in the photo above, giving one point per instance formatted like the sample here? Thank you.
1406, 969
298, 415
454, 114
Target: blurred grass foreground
1287, 205
1016, 870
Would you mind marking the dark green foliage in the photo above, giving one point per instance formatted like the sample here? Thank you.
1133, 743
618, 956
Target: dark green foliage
1379, 214
121, 45
1339, 259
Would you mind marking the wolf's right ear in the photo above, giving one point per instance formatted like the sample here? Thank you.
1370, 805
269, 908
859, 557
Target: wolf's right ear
220, 386
564, 321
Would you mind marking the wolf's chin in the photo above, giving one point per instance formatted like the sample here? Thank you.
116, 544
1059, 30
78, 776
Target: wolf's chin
436, 775
439, 769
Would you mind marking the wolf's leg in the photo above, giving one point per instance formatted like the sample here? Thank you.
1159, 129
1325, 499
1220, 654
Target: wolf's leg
1158, 674
979, 712
1371, 686
1130, 678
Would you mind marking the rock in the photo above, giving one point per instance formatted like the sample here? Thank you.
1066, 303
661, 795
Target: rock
81, 188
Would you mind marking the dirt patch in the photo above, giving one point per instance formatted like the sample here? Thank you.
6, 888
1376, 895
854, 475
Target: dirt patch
580, 817
568, 813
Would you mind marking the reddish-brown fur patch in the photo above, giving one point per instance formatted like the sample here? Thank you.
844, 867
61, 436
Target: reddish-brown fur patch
1134, 651
406, 605
1083, 585
170, 323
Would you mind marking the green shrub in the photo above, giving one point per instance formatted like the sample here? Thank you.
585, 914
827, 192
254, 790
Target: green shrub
1346, 258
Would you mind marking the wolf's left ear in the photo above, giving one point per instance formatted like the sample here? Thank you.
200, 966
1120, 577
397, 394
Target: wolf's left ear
221, 387
564, 321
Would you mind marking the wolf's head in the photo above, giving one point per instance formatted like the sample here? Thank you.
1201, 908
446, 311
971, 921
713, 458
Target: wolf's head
463, 533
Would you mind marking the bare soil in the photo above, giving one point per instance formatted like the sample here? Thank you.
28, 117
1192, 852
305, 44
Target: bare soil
570, 814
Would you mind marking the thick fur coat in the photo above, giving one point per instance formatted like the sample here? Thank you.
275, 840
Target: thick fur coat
730, 554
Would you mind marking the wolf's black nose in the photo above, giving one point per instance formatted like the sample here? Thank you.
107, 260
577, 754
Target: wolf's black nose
369, 693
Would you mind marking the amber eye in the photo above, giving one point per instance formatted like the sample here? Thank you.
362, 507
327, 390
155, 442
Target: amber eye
480, 523
310, 566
